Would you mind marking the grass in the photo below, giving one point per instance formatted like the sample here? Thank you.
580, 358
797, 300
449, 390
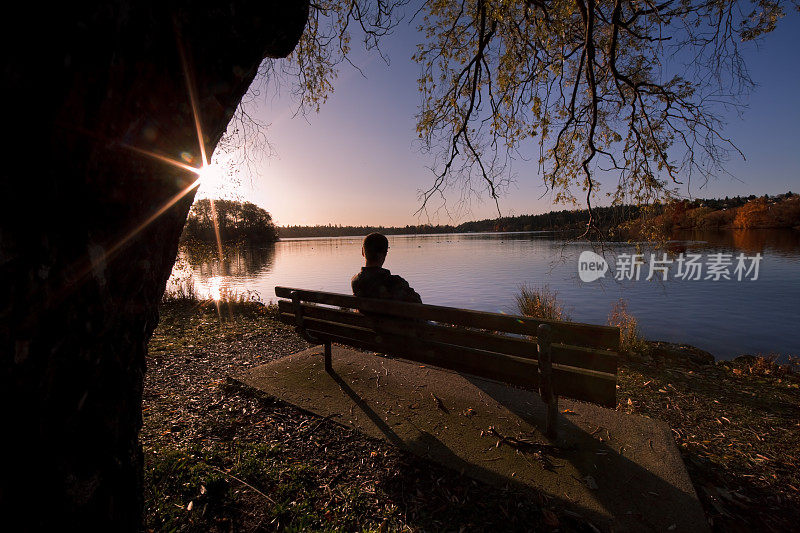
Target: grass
631, 341
181, 287
540, 302
189, 323
181, 290
186, 291
211, 488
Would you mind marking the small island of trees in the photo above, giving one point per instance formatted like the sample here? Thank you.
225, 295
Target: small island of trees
238, 222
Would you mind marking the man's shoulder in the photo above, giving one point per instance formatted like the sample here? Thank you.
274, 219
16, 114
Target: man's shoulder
356, 281
402, 290
381, 283
368, 281
398, 280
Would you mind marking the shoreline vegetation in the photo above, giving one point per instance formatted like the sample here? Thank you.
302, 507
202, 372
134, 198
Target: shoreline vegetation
244, 222
765, 212
220, 458
626, 221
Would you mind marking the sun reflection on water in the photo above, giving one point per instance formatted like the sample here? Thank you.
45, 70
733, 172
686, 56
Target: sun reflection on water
215, 288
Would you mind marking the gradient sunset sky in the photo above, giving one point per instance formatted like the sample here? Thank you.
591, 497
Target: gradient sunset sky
358, 162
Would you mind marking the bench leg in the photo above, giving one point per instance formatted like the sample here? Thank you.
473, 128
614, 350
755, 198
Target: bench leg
328, 367
546, 380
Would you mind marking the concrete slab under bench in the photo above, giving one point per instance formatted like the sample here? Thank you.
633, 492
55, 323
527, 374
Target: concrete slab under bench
622, 471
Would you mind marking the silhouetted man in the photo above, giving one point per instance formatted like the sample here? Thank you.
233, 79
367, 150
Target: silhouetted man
374, 281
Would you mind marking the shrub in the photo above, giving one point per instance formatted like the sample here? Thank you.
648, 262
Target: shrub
766, 366
540, 302
631, 340
183, 290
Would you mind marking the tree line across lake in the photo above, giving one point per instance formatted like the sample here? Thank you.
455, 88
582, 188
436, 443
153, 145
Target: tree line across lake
247, 222
564, 220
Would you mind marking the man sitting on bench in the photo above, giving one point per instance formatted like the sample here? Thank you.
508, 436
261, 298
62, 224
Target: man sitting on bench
374, 281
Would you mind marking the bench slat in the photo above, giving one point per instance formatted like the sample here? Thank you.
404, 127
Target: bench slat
509, 369
605, 337
580, 384
574, 356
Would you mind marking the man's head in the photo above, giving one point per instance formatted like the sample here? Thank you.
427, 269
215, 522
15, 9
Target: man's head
374, 249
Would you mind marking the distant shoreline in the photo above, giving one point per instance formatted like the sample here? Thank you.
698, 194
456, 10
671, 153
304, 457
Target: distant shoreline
246, 222
420, 234
752, 212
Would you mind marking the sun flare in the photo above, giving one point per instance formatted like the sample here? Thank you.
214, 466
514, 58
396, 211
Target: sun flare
215, 288
211, 177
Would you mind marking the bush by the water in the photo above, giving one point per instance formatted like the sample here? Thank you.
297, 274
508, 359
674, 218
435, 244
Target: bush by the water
630, 338
237, 222
540, 302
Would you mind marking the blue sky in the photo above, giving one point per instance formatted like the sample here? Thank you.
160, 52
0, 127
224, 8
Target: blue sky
357, 161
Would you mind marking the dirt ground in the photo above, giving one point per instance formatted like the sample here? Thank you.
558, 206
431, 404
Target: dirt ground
218, 458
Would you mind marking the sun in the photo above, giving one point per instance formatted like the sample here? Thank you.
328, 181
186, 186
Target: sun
212, 178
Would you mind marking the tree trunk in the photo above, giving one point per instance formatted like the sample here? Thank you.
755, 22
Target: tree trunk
78, 298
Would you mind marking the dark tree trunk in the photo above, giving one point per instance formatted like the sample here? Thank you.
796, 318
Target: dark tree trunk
78, 302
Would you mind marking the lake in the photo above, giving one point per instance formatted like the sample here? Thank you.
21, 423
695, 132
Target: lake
728, 317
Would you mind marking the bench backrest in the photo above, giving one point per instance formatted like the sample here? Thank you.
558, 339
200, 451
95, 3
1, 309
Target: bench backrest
490, 345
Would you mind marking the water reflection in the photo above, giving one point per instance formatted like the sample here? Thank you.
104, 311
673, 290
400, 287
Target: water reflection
781, 242
198, 270
484, 272
238, 261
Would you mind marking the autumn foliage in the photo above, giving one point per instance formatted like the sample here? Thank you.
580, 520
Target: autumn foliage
764, 212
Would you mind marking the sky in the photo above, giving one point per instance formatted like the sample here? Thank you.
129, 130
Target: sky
358, 161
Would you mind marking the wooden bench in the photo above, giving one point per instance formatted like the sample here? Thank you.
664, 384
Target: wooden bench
556, 358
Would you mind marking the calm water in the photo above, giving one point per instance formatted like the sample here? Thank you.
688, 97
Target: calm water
484, 271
